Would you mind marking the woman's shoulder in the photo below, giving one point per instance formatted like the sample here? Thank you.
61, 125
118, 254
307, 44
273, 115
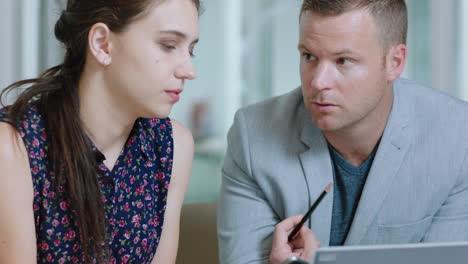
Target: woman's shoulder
13, 154
182, 135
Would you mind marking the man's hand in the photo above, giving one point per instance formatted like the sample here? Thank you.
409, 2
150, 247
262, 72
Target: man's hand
303, 245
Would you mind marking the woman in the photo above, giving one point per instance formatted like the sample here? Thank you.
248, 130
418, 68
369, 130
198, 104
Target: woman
92, 170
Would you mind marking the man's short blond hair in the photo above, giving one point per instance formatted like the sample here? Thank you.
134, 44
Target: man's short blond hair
390, 16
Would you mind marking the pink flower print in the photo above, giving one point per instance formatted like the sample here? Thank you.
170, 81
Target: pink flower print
139, 204
162, 127
149, 164
44, 246
75, 260
56, 242
50, 232
136, 220
125, 258
123, 185
49, 258
113, 261
55, 222
34, 170
147, 197
132, 179
144, 242
166, 185
35, 207
35, 142
44, 137
64, 205
121, 223
156, 220
51, 195
45, 204
25, 124
160, 176
136, 239
65, 221
76, 247
41, 151
129, 162
127, 235
168, 150
145, 227
140, 190
112, 221
126, 207
163, 159
70, 235
62, 260
138, 250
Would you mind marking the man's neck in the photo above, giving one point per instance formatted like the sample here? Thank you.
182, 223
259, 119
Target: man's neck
356, 143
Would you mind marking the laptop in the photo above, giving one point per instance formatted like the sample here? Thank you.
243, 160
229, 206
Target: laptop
422, 253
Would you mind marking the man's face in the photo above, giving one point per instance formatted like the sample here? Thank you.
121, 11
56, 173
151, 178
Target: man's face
343, 72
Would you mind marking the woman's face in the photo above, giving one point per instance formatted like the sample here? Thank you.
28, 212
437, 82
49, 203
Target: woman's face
152, 59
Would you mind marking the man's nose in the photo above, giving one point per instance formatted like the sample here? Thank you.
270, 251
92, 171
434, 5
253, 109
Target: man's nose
322, 77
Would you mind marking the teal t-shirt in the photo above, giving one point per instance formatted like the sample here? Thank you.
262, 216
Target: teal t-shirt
349, 181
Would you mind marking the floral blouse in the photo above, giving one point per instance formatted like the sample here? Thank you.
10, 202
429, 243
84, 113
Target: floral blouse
135, 193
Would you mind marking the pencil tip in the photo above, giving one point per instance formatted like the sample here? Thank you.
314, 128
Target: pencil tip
329, 186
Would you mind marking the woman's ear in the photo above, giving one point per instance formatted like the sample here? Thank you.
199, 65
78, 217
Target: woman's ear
395, 62
99, 43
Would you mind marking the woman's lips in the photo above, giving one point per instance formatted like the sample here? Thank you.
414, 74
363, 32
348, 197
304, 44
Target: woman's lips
174, 94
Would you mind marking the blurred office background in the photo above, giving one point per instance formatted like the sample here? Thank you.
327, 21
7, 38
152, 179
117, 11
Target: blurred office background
247, 52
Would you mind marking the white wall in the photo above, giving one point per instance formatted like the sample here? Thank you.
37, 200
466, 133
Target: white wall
462, 63
217, 64
285, 54
9, 51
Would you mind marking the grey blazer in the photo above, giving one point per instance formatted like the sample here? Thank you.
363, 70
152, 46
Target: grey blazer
277, 164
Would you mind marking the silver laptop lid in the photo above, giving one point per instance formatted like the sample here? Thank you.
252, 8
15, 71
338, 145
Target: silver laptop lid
427, 253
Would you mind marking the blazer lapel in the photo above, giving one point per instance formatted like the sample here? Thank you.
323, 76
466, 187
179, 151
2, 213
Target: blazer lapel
389, 157
317, 167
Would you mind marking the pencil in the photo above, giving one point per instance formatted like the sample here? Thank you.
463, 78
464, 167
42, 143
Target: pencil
307, 215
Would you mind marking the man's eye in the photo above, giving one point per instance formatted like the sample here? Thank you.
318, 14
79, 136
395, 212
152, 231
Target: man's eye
343, 61
308, 57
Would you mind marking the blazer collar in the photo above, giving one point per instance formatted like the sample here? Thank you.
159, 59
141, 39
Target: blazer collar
318, 172
390, 154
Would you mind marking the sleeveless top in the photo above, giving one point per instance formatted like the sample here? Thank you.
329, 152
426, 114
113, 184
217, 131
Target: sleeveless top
134, 193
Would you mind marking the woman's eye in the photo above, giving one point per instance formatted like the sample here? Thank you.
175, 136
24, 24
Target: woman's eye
168, 47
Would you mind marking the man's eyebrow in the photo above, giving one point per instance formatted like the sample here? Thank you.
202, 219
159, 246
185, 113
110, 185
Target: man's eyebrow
343, 52
301, 47
178, 34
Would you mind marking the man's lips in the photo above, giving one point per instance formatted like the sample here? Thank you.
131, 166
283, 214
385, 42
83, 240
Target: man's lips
324, 106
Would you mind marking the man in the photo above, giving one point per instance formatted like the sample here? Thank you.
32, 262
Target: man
396, 151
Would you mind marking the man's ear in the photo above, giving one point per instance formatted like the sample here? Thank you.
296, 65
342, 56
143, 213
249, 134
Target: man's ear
395, 61
99, 43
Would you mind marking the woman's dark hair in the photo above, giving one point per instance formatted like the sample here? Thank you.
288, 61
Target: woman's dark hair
55, 93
